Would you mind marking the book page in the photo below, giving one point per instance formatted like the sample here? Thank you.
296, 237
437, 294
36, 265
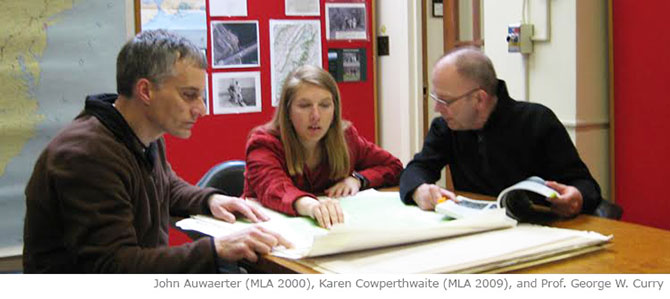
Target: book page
533, 184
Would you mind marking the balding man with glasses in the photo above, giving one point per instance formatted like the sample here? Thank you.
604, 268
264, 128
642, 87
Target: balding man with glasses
490, 141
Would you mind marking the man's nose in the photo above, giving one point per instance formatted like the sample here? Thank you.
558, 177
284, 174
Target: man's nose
200, 108
439, 107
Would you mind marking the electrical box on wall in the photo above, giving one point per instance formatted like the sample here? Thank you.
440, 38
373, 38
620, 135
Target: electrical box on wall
519, 38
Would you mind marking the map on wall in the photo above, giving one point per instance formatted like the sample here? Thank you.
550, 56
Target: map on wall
187, 18
52, 54
292, 44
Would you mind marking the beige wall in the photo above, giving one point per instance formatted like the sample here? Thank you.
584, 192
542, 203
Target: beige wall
592, 115
130, 18
400, 78
434, 46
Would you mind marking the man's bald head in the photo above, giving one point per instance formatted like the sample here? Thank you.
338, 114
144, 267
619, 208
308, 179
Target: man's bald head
472, 64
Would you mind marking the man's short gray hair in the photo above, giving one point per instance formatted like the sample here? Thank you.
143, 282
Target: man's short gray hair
473, 64
152, 55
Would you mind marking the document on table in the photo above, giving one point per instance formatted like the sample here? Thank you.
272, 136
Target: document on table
373, 219
483, 252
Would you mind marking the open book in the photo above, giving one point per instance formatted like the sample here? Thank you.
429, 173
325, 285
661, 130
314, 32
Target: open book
524, 201
372, 219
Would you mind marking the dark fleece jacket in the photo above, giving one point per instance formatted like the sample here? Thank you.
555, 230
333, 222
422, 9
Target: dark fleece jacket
99, 201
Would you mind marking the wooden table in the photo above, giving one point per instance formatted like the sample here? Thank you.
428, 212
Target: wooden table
634, 249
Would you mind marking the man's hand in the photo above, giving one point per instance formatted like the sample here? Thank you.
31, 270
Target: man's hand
345, 187
569, 201
426, 196
248, 244
327, 212
224, 207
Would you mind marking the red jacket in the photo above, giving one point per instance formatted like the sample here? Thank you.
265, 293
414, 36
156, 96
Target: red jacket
267, 179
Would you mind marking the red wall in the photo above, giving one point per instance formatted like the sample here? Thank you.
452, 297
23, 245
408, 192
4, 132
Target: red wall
642, 110
218, 138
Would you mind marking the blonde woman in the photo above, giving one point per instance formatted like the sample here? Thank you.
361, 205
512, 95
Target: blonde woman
308, 150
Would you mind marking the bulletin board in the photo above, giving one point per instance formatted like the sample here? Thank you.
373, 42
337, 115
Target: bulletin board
233, 111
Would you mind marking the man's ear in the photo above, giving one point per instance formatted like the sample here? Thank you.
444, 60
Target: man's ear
481, 97
143, 91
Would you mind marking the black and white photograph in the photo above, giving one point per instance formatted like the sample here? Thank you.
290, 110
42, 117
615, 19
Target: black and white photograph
238, 92
346, 21
235, 44
352, 65
205, 96
347, 65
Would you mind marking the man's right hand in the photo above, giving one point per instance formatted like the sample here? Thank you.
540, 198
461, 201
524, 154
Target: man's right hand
426, 196
248, 244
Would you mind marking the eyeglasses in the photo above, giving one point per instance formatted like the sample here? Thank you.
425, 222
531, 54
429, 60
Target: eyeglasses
448, 102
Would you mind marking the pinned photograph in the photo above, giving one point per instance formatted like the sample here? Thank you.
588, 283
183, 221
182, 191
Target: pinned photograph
352, 65
293, 43
346, 21
235, 44
347, 65
205, 96
238, 92
228, 8
184, 18
302, 8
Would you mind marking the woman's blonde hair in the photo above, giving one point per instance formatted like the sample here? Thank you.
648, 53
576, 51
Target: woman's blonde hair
333, 145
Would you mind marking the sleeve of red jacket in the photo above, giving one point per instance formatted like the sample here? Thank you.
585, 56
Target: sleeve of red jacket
267, 175
377, 165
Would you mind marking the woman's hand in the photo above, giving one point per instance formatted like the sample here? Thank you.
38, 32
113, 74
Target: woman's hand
345, 187
327, 212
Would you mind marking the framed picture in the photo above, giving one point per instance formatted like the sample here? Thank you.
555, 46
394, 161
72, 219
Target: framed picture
238, 92
235, 44
346, 21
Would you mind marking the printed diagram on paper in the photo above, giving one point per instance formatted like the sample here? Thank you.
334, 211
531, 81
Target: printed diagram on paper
292, 44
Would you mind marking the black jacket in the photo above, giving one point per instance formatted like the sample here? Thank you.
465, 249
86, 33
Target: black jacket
519, 140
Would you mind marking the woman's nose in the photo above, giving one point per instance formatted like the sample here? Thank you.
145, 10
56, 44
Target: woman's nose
315, 113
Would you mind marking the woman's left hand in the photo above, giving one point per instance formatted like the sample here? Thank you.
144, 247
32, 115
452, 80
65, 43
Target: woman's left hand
345, 187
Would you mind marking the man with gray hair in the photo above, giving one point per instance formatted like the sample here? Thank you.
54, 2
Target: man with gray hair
102, 192
491, 141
